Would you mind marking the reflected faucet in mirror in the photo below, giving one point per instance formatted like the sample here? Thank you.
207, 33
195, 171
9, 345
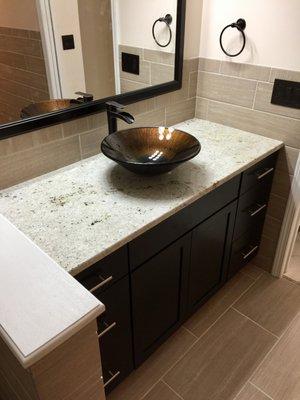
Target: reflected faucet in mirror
85, 97
114, 111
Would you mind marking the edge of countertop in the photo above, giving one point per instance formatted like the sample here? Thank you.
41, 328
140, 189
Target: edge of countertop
94, 308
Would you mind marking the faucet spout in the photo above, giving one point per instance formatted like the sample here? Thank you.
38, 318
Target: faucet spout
113, 113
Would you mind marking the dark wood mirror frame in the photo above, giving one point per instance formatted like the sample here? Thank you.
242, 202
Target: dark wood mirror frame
22, 126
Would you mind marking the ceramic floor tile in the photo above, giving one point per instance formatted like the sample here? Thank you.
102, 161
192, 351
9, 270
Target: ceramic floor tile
250, 392
161, 392
279, 374
253, 271
142, 379
218, 304
221, 362
272, 303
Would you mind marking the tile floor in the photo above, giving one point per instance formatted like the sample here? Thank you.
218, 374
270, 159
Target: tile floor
293, 271
244, 344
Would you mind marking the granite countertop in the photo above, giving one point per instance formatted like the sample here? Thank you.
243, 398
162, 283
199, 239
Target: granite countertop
83, 212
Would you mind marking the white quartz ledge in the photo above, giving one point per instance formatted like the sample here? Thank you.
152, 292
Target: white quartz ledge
41, 305
83, 212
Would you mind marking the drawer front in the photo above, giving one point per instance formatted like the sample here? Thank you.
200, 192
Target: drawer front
115, 338
105, 272
252, 209
260, 174
244, 249
154, 240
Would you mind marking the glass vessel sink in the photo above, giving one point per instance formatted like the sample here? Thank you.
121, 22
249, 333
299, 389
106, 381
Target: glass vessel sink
47, 106
150, 151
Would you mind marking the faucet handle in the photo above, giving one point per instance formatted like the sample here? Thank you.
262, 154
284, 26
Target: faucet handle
114, 105
86, 96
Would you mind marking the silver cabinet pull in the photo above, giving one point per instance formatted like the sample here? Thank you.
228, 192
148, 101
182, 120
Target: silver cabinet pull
263, 174
113, 377
258, 210
109, 328
101, 284
245, 256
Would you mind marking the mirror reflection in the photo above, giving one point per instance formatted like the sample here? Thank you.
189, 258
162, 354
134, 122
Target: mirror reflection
57, 54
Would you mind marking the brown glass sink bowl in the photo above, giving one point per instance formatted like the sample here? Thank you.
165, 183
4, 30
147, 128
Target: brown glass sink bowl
44, 107
150, 151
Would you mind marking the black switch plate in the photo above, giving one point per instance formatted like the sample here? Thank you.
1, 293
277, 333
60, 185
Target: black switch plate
68, 42
131, 63
286, 93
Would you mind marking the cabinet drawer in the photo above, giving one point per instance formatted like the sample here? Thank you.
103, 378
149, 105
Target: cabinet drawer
252, 209
260, 174
154, 240
105, 272
244, 249
115, 338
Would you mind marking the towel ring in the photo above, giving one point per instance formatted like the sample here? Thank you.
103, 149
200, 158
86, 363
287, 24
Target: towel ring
240, 25
167, 20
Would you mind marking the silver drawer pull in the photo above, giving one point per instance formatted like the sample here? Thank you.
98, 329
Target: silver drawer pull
245, 256
109, 328
113, 377
101, 284
258, 210
267, 172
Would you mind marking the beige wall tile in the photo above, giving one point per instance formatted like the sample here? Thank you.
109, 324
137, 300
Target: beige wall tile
12, 59
272, 303
287, 159
179, 112
218, 304
132, 50
21, 166
191, 64
161, 73
282, 183
263, 102
160, 57
222, 360
21, 45
273, 126
272, 228
151, 118
143, 378
228, 89
97, 120
201, 108
278, 376
141, 107
250, 392
35, 64
75, 126
162, 392
288, 75
193, 84
129, 86
209, 65
249, 71
90, 142
144, 75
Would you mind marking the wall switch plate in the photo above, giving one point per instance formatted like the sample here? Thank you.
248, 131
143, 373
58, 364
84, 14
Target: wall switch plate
131, 63
286, 93
68, 42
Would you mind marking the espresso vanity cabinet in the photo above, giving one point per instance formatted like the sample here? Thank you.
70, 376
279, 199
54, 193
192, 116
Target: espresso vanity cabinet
151, 285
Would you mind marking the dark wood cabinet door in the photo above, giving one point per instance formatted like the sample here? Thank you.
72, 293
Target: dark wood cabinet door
114, 328
158, 297
211, 242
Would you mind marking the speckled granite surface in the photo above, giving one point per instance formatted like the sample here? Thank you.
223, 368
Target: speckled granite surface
84, 211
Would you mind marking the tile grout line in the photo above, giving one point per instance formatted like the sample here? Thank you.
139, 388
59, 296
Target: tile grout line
254, 322
187, 329
260, 390
254, 97
172, 389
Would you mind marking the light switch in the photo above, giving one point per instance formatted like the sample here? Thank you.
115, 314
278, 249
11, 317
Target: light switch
68, 42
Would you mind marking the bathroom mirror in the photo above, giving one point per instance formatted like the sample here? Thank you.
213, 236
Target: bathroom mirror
63, 59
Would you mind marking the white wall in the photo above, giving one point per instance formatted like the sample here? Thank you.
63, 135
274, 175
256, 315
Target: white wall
193, 28
19, 14
136, 18
273, 31
65, 18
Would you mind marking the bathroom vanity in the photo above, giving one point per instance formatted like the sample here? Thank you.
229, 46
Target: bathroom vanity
151, 249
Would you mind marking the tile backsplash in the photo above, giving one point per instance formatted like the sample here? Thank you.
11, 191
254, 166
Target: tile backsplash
22, 72
239, 95
232, 94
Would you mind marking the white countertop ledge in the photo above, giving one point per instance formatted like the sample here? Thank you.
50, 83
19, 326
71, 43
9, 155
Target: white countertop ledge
41, 305
81, 213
